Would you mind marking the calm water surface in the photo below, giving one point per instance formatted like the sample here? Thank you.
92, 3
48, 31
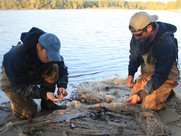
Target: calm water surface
95, 43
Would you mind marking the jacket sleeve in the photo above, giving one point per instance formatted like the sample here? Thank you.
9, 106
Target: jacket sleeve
16, 70
63, 75
166, 54
32, 91
134, 59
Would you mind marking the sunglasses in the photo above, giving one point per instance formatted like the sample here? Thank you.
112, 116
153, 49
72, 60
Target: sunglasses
139, 34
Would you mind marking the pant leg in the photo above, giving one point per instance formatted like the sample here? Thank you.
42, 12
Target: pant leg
141, 81
22, 107
157, 99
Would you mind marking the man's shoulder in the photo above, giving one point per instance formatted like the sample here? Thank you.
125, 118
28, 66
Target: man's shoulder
14, 53
13, 56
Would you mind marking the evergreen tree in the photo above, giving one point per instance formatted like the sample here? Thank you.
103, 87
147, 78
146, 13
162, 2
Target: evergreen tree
32, 4
3, 4
53, 4
79, 4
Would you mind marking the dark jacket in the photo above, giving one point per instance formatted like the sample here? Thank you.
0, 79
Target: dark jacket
19, 61
165, 53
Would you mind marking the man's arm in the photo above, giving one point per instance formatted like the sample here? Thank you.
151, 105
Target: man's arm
134, 63
166, 54
16, 69
134, 59
129, 81
63, 75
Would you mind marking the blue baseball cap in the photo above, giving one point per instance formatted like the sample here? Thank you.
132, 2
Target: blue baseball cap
52, 44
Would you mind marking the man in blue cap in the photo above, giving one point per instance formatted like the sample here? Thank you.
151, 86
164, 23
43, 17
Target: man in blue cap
31, 71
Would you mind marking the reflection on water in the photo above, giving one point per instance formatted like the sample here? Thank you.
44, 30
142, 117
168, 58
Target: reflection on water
95, 43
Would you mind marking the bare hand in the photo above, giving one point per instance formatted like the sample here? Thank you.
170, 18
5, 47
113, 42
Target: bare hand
129, 81
133, 100
62, 91
53, 97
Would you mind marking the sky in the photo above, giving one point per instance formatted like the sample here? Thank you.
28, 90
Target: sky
165, 1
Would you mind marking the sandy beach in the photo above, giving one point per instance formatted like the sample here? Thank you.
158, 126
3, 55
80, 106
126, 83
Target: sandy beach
97, 119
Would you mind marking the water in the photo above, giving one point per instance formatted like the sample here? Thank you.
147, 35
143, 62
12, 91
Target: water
95, 43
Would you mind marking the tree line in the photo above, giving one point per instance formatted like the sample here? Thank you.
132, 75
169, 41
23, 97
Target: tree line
82, 4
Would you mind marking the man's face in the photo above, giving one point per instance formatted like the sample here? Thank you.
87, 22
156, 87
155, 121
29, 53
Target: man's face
142, 35
42, 55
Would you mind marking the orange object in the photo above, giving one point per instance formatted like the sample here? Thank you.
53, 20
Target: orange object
107, 87
100, 106
29, 119
74, 122
108, 101
61, 96
98, 102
